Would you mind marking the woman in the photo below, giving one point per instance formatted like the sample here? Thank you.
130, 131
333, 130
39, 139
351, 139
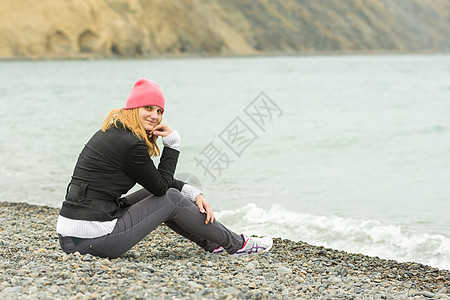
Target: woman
96, 219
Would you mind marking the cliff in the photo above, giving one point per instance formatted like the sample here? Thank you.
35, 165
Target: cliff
146, 28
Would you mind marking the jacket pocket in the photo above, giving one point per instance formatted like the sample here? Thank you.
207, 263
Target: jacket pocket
76, 193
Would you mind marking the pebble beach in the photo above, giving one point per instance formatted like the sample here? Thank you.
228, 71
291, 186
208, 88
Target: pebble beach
167, 266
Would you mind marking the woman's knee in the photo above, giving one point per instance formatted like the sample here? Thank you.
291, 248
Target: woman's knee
177, 197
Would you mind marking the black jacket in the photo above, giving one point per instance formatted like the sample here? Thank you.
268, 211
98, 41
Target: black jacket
110, 164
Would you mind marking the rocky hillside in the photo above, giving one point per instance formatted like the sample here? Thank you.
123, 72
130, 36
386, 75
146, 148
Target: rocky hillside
146, 28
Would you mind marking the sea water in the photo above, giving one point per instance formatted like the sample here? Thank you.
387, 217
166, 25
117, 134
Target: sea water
348, 152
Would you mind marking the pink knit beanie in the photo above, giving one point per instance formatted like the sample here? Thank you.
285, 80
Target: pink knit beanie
145, 92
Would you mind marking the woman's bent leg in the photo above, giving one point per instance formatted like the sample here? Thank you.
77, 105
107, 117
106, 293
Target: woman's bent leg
140, 219
205, 244
202, 243
190, 223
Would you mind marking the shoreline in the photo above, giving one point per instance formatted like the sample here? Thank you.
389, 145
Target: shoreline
165, 265
93, 57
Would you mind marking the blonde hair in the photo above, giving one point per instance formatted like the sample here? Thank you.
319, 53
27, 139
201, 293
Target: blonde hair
129, 119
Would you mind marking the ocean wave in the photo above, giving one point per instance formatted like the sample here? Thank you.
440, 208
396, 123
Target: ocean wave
370, 237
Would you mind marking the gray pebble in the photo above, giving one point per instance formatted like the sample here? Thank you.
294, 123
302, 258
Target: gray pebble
428, 294
334, 280
256, 272
13, 290
193, 284
168, 266
284, 270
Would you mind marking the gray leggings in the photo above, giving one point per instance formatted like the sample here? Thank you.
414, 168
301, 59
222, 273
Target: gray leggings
173, 209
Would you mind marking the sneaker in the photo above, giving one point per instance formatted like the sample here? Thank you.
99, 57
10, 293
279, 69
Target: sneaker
218, 250
255, 245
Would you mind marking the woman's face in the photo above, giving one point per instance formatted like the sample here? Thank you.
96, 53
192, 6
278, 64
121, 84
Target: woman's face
150, 116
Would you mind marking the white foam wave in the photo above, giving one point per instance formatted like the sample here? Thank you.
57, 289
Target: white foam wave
369, 237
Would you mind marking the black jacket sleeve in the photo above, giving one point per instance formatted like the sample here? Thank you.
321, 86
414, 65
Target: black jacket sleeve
141, 168
178, 184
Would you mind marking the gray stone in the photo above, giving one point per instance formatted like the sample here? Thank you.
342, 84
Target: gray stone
13, 290
53, 274
284, 270
251, 265
253, 285
338, 268
232, 291
358, 283
428, 294
193, 284
256, 272
105, 262
87, 257
334, 280
322, 252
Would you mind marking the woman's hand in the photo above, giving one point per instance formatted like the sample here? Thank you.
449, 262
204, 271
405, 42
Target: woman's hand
160, 130
204, 207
